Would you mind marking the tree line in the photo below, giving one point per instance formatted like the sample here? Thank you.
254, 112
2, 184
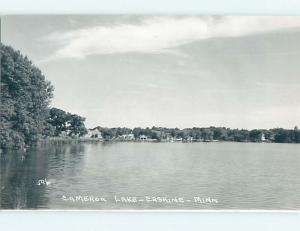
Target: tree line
277, 135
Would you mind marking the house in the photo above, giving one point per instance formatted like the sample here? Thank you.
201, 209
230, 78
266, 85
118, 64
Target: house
143, 137
128, 137
170, 139
178, 139
190, 139
93, 133
263, 138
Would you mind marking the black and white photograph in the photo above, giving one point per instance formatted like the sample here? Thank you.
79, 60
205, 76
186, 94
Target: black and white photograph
150, 112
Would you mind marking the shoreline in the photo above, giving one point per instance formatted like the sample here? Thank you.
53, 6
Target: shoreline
59, 140
95, 140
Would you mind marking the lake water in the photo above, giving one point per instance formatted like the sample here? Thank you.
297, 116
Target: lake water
152, 176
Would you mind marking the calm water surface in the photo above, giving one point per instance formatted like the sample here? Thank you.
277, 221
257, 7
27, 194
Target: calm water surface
237, 175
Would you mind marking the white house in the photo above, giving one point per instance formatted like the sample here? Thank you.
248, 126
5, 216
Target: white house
128, 136
93, 133
263, 138
190, 139
178, 139
143, 137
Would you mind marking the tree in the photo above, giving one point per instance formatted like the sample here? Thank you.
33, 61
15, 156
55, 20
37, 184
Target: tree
207, 134
219, 133
255, 135
58, 119
77, 127
283, 136
71, 124
137, 132
297, 136
107, 133
25, 97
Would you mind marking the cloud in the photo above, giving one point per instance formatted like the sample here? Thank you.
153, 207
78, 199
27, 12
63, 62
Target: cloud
160, 34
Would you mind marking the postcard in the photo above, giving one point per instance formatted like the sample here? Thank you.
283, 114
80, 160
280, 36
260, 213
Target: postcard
146, 112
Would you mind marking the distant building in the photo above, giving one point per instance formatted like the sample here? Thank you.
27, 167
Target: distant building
128, 137
190, 139
178, 139
263, 138
143, 137
94, 133
170, 138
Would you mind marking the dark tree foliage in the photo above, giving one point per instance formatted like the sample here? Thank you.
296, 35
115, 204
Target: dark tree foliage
57, 119
25, 97
255, 135
284, 136
64, 122
150, 133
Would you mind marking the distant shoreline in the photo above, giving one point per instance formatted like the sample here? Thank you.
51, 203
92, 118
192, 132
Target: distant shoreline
170, 135
95, 140
195, 134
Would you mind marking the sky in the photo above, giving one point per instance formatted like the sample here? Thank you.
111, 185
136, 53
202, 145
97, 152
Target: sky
169, 71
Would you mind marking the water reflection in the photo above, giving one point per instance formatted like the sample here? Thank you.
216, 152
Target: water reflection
21, 172
18, 173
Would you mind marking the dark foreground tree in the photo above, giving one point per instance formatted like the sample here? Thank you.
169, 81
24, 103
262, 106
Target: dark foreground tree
25, 97
66, 123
